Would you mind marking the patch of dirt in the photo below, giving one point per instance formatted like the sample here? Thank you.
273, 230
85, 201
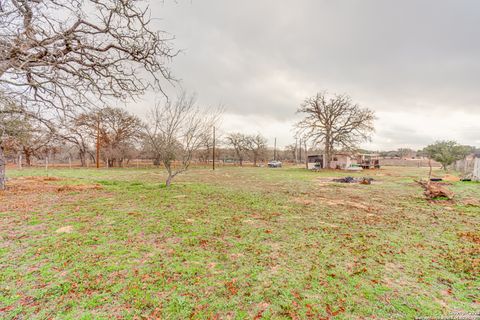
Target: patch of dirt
395, 277
470, 236
25, 194
28, 184
82, 187
471, 202
41, 185
336, 202
349, 204
66, 229
303, 201
326, 180
49, 178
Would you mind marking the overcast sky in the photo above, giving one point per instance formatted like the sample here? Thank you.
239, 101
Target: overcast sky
415, 62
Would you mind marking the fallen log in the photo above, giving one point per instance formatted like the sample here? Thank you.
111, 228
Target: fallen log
435, 190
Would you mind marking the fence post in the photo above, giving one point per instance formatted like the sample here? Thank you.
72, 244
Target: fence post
476, 170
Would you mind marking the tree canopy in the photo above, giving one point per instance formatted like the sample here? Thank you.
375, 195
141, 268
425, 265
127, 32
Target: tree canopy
334, 122
447, 152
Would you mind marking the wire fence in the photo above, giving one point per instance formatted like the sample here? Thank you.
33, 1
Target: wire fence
227, 162
126, 163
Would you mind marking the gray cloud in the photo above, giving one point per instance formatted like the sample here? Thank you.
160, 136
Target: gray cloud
262, 58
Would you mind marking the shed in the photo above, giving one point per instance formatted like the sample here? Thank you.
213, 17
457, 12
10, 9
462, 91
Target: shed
315, 162
340, 160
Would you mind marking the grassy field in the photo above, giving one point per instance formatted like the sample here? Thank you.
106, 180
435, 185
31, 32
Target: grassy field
237, 243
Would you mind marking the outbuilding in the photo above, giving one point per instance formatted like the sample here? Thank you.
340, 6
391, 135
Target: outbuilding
340, 160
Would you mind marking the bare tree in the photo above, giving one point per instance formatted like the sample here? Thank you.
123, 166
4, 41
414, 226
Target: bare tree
117, 129
238, 142
79, 134
24, 133
290, 152
257, 145
6, 105
35, 143
405, 153
334, 122
176, 131
60, 52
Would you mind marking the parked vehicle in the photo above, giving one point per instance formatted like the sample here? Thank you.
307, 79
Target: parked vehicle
274, 164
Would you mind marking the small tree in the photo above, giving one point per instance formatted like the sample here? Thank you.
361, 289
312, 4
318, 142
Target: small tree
76, 132
334, 122
447, 152
257, 145
238, 142
25, 133
404, 153
176, 131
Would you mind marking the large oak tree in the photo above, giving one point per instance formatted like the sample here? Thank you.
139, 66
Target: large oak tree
334, 122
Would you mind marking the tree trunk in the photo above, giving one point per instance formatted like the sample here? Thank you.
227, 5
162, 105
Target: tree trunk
28, 157
82, 155
306, 155
328, 153
168, 165
169, 180
3, 163
326, 156
92, 157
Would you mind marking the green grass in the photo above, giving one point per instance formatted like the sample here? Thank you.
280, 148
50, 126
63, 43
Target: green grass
237, 243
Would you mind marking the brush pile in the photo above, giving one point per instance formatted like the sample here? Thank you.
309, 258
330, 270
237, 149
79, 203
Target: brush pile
354, 180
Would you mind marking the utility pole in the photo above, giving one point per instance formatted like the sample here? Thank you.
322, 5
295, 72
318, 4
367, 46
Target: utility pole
300, 150
306, 154
213, 156
296, 151
98, 142
275, 150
